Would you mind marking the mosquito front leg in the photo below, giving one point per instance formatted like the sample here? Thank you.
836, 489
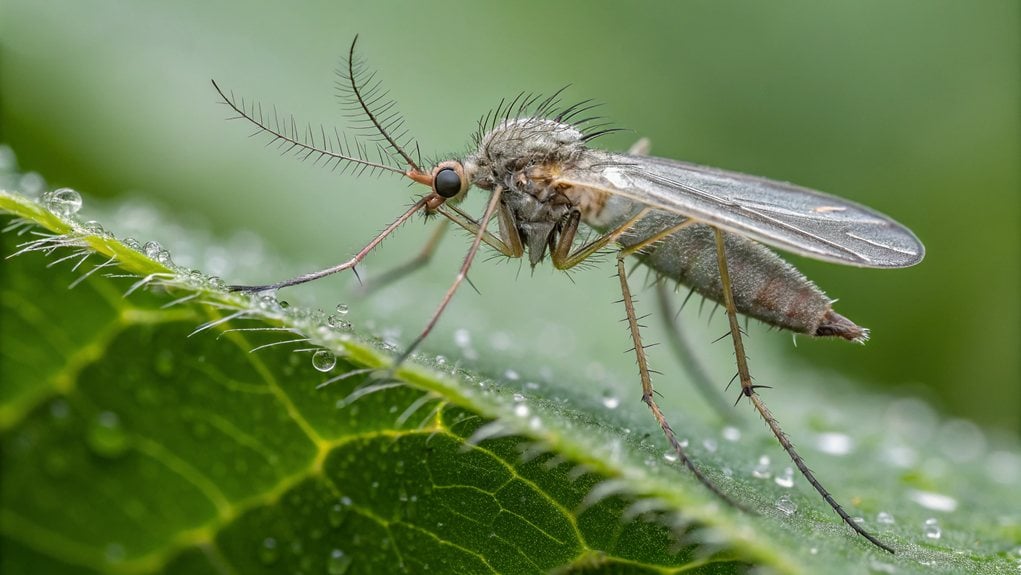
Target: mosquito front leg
509, 245
748, 390
648, 395
349, 264
462, 274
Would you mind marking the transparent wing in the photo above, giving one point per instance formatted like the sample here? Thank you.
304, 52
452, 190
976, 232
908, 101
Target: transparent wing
788, 217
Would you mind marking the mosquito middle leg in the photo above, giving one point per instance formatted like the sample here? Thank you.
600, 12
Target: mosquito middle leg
420, 260
648, 394
749, 391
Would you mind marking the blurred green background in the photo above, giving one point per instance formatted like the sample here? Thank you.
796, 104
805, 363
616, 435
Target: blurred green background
909, 107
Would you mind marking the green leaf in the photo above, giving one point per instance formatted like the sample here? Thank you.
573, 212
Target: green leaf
144, 433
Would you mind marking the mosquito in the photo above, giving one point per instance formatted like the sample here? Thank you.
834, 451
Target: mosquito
702, 227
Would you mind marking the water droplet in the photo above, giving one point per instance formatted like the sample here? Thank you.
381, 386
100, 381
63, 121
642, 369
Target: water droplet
934, 501
337, 322
132, 243
63, 201
337, 515
521, 410
670, 456
814, 551
885, 518
709, 445
95, 228
59, 409
324, 360
834, 443
785, 479
342, 308
786, 505
610, 401
163, 257
152, 249
284, 304
932, 529
107, 437
511, 375
216, 283
731, 433
462, 337
338, 563
761, 469
269, 552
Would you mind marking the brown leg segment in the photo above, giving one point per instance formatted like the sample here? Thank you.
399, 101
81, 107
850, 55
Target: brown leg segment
748, 390
647, 391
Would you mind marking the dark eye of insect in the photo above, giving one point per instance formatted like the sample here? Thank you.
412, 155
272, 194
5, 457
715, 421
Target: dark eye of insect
447, 183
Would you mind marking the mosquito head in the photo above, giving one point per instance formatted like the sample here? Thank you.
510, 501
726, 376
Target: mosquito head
448, 181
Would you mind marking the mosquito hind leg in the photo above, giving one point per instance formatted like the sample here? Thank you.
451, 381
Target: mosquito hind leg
749, 390
648, 396
685, 354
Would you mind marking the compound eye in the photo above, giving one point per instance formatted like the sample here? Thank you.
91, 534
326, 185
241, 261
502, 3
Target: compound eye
447, 183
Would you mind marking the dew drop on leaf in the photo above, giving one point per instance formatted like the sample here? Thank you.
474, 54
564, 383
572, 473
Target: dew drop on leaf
761, 469
731, 433
337, 515
786, 505
342, 308
337, 322
932, 529
216, 283
132, 243
268, 552
63, 201
885, 518
338, 563
152, 249
785, 479
610, 401
95, 228
324, 360
107, 437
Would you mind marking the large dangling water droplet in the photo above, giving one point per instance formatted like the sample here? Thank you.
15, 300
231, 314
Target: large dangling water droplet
107, 437
63, 201
324, 360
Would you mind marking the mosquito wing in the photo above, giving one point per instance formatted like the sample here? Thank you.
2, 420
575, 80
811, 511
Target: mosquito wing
788, 217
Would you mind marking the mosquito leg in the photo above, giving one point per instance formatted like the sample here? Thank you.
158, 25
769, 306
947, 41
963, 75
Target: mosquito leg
349, 264
494, 201
509, 246
648, 396
685, 353
419, 261
748, 390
